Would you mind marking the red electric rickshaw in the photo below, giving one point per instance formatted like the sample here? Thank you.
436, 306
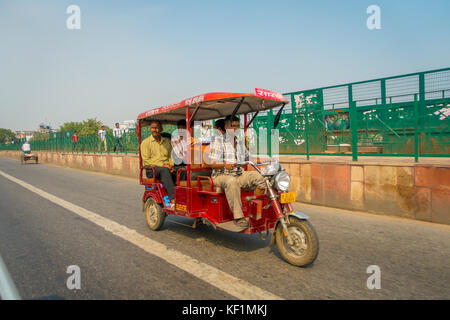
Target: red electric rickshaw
205, 203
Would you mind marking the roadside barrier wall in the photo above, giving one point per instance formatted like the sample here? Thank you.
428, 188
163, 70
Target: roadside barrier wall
415, 191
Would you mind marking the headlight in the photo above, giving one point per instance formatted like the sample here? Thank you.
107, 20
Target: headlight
282, 181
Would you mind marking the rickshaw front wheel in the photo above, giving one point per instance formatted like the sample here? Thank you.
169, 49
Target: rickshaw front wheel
306, 243
153, 214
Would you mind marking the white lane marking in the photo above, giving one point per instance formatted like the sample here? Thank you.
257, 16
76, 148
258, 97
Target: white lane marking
234, 286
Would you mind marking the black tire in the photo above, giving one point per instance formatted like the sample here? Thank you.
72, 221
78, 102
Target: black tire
306, 247
153, 214
22, 159
36, 160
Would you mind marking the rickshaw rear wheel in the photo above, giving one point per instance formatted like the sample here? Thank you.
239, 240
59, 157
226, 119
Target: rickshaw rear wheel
306, 242
153, 214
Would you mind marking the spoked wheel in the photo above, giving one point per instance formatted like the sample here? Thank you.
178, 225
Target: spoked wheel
153, 214
305, 248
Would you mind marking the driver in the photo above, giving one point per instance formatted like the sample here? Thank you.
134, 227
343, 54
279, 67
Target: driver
26, 147
227, 151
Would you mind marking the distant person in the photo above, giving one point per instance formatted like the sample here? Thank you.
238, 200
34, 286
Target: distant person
102, 137
117, 133
26, 148
75, 141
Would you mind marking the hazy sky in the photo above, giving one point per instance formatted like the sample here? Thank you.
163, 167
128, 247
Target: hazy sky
131, 56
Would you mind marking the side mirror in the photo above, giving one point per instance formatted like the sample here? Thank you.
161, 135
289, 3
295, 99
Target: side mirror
277, 117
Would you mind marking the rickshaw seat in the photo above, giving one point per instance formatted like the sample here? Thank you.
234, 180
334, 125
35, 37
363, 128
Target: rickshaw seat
194, 183
146, 179
150, 180
205, 185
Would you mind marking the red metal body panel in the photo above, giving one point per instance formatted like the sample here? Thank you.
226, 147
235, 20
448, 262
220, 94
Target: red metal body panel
156, 191
193, 203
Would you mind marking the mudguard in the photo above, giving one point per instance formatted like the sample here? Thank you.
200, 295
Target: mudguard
298, 214
155, 195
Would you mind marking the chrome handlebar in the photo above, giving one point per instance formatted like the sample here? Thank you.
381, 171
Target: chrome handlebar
256, 165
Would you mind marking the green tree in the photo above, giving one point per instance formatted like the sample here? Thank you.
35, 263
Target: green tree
91, 127
38, 136
6, 135
85, 128
71, 126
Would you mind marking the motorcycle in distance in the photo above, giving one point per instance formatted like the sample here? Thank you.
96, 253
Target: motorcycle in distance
27, 156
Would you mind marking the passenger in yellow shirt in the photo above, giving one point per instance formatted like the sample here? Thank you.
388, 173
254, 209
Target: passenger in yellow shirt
156, 152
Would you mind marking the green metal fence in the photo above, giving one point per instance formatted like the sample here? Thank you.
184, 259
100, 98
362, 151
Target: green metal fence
406, 115
62, 142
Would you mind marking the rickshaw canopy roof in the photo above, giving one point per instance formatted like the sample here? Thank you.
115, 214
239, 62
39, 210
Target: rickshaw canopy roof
216, 105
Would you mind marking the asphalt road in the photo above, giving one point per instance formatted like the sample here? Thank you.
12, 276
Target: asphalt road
40, 239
